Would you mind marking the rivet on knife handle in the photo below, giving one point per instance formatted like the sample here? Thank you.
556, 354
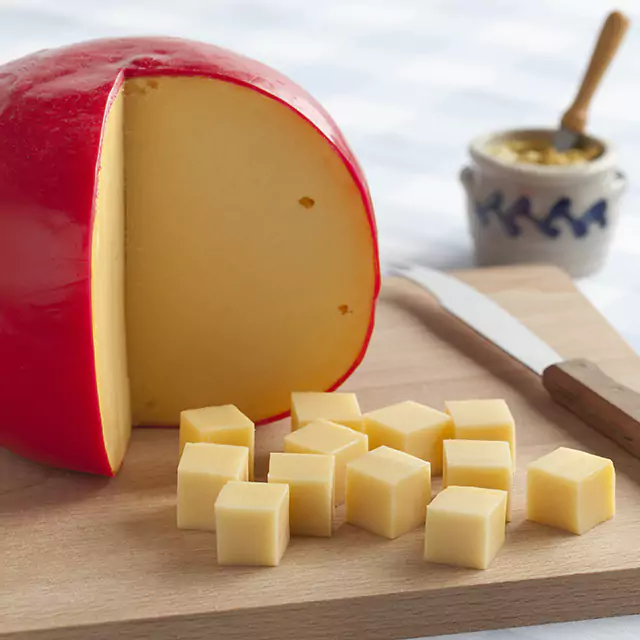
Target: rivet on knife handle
601, 402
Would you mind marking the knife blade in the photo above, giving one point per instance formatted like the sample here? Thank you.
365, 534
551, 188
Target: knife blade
484, 316
579, 385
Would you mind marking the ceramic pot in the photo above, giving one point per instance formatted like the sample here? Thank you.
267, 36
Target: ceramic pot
524, 213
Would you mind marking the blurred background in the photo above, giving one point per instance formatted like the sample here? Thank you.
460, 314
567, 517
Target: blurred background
410, 82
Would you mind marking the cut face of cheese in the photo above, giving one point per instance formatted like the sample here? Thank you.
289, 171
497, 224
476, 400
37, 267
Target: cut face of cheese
221, 425
309, 406
410, 427
311, 490
465, 526
107, 289
252, 523
483, 420
478, 463
570, 489
234, 288
329, 438
247, 253
387, 491
203, 470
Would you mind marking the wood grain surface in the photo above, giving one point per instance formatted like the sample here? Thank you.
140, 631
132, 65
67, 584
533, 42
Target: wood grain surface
86, 557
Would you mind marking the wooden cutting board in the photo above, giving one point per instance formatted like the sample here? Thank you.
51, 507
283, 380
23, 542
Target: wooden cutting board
86, 557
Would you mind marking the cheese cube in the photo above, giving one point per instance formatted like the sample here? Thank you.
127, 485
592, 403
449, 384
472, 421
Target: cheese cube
483, 420
478, 463
203, 470
571, 490
329, 438
252, 523
410, 427
387, 492
308, 406
225, 424
311, 490
465, 526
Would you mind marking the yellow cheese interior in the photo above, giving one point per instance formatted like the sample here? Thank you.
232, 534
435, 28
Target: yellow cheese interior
478, 463
410, 427
483, 420
329, 438
311, 490
107, 289
252, 523
202, 472
465, 526
225, 424
249, 262
387, 492
570, 489
343, 408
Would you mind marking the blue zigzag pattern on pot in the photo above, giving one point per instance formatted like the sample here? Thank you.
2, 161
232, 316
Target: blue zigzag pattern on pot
510, 216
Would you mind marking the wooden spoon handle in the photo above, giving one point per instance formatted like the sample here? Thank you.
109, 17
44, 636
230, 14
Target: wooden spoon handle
611, 408
611, 34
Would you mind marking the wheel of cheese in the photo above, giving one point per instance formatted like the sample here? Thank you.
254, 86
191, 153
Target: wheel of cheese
180, 227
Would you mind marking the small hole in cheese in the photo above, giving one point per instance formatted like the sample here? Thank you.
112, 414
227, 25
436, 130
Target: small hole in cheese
344, 309
307, 202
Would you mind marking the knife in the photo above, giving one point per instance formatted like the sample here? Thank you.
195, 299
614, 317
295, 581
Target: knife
579, 385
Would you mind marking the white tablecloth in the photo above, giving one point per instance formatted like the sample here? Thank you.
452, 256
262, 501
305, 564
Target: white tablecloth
411, 82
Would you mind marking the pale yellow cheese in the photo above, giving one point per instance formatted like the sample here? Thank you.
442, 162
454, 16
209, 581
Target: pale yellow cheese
329, 438
465, 526
202, 472
483, 420
252, 523
478, 463
211, 301
410, 427
387, 492
107, 289
308, 406
311, 490
225, 424
231, 297
571, 490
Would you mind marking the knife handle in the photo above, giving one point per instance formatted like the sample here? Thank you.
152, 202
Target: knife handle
611, 408
608, 42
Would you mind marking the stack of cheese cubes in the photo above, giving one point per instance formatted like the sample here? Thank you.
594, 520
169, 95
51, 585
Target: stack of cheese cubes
216, 491
380, 465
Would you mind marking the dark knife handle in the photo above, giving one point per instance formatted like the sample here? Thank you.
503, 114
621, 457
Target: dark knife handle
611, 408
